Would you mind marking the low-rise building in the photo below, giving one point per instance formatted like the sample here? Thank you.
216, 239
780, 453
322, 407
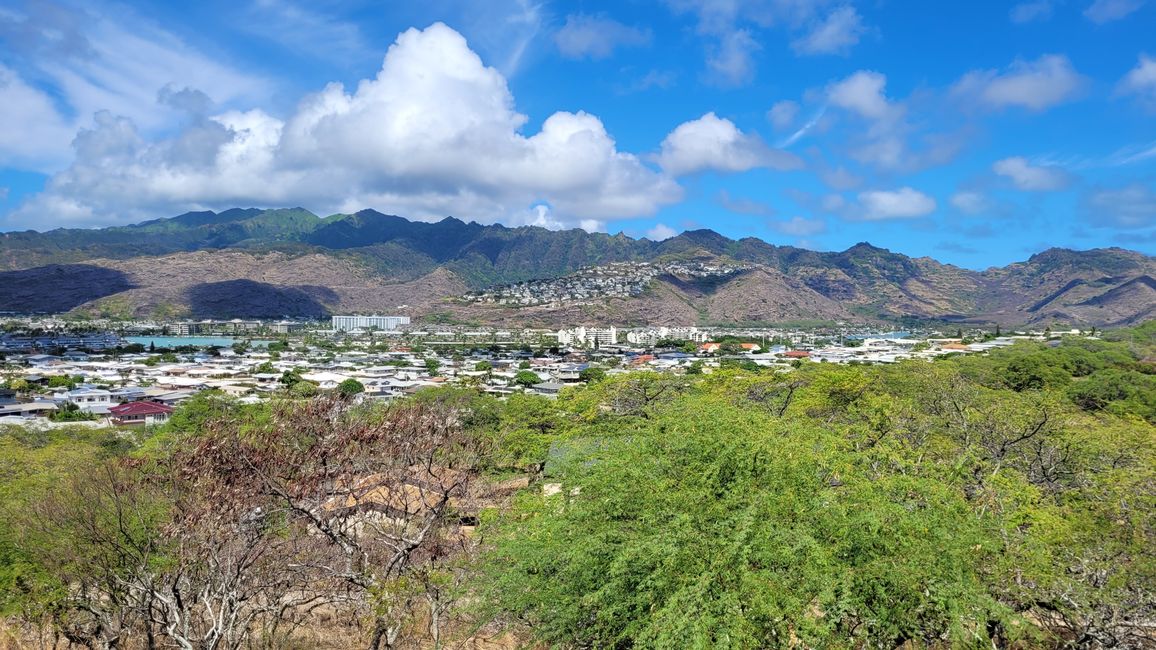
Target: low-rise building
139, 413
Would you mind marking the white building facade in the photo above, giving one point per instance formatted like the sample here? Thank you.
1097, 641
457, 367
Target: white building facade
350, 323
654, 335
588, 336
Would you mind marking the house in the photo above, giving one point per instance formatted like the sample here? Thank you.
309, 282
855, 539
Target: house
40, 359
128, 394
137, 413
28, 409
172, 398
88, 399
548, 388
325, 380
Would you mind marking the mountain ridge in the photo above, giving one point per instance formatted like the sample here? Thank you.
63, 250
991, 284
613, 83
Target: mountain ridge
369, 260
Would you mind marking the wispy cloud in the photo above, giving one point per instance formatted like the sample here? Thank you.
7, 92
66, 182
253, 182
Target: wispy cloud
1131, 154
84, 63
803, 130
743, 205
525, 24
1027, 12
800, 227
301, 27
660, 79
597, 36
1127, 207
835, 34
1106, 11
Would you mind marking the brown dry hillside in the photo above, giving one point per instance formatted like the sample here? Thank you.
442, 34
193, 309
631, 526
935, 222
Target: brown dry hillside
290, 262
221, 284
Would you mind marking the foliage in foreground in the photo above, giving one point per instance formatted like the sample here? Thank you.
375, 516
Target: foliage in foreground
839, 507
1001, 501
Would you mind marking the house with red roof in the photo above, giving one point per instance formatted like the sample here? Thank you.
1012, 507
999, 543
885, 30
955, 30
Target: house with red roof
138, 413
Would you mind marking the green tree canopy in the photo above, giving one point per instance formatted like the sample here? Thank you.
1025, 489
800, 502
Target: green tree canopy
350, 387
592, 374
303, 389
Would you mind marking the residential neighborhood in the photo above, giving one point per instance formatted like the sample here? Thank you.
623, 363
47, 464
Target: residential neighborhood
616, 280
54, 372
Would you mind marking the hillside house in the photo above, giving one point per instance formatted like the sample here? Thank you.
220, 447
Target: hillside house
139, 413
28, 409
88, 399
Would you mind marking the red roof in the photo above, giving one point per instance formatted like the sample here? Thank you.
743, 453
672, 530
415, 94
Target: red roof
139, 408
797, 354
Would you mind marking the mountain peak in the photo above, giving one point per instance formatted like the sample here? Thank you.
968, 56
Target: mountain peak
394, 250
866, 247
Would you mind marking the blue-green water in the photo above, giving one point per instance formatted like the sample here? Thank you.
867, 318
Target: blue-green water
195, 341
884, 335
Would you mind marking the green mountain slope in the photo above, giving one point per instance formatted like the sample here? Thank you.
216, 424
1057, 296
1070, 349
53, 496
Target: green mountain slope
376, 250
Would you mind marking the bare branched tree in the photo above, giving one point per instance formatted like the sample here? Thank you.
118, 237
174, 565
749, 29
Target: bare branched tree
380, 491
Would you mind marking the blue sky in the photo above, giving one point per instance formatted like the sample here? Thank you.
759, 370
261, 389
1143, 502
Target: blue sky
976, 133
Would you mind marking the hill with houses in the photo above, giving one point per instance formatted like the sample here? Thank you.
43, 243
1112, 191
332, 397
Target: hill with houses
290, 262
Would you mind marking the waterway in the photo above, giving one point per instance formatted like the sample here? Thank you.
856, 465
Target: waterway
884, 335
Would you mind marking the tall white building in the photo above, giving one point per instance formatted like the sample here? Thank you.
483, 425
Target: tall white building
350, 323
588, 336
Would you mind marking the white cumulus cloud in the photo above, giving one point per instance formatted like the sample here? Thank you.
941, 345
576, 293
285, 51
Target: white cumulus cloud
1034, 85
891, 141
864, 93
1032, 178
434, 133
715, 143
660, 232
904, 203
1141, 81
